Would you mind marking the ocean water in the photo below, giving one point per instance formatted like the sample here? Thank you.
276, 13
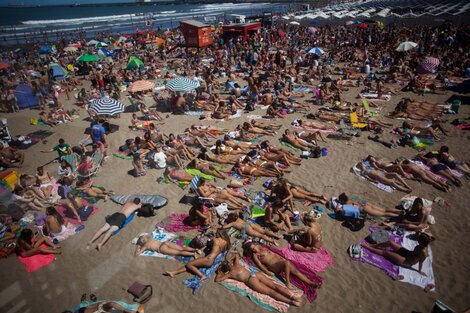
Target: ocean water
18, 24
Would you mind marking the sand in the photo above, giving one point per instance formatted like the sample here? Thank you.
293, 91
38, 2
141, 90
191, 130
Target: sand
348, 286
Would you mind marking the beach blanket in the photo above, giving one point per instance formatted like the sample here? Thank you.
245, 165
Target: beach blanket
126, 306
32, 139
374, 96
70, 230
290, 146
306, 262
35, 262
161, 235
381, 186
196, 172
194, 113
175, 223
66, 213
302, 89
122, 155
256, 117
195, 283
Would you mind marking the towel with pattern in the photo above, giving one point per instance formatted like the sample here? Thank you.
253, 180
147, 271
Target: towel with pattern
381, 186
175, 223
195, 283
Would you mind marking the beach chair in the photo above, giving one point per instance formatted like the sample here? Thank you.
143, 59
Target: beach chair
96, 160
355, 121
369, 111
73, 160
194, 187
348, 132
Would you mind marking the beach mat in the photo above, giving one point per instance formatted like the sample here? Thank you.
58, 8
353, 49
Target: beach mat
36, 262
33, 139
176, 223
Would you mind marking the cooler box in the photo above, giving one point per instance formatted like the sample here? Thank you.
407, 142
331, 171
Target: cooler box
10, 177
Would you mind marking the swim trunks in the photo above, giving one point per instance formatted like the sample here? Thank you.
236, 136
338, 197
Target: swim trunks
116, 219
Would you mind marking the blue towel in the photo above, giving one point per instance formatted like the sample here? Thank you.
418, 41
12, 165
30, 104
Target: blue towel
126, 306
195, 283
128, 220
351, 211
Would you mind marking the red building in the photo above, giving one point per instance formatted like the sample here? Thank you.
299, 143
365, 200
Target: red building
244, 30
196, 34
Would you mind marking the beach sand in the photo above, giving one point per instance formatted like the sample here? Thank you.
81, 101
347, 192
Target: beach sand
348, 286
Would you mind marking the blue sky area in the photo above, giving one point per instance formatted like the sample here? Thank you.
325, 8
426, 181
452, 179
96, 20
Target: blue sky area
36, 2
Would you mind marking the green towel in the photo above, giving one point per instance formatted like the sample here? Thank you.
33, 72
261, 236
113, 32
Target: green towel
290, 146
257, 211
195, 172
122, 156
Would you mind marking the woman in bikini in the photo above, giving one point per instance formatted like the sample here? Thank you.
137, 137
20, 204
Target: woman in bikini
256, 130
402, 256
310, 238
367, 207
226, 195
445, 157
266, 125
251, 228
391, 179
267, 147
220, 243
234, 269
239, 144
146, 242
200, 215
276, 218
221, 159
177, 175
296, 142
246, 170
206, 168
440, 168
29, 244
423, 175
221, 149
273, 264
43, 180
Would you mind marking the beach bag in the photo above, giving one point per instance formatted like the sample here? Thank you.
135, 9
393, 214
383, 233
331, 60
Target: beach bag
84, 212
355, 251
315, 152
146, 210
378, 237
142, 293
200, 241
354, 225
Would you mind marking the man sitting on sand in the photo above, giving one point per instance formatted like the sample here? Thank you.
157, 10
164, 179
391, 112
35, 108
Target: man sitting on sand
114, 222
10, 157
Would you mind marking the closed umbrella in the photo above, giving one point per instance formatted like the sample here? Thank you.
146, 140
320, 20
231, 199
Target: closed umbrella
294, 23
405, 46
429, 65
315, 50
141, 85
107, 106
88, 58
182, 84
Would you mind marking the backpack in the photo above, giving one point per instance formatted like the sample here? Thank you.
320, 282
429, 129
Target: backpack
146, 210
84, 212
315, 152
250, 106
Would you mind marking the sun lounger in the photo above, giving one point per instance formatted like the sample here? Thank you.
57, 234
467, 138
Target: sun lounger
369, 111
355, 121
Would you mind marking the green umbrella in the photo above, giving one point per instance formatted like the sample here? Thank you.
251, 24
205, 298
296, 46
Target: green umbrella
134, 62
88, 58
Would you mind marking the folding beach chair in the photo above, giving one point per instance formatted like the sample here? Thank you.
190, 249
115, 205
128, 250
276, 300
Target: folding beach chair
348, 132
369, 111
355, 121
87, 173
73, 160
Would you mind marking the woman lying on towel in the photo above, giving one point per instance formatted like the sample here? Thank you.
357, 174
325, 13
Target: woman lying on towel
221, 149
275, 216
314, 125
177, 175
146, 242
440, 168
266, 146
423, 175
402, 256
273, 264
355, 206
265, 125
206, 168
234, 269
308, 239
391, 179
200, 215
448, 159
220, 243
296, 142
257, 130
287, 192
239, 144
29, 244
251, 228
221, 159
245, 169
233, 199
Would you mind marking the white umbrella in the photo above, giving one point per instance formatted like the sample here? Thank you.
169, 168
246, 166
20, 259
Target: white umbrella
315, 50
91, 43
107, 106
405, 46
294, 23
70, 49
182, 84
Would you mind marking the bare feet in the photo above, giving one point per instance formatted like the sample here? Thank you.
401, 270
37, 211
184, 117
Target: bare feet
99, 247
170, 274
398, 277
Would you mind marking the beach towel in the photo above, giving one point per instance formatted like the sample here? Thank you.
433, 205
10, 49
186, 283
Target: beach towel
35, 262
196, 172
306, 262
374, 96
126, 306
122, 155
194, 113
381, 186
126, 222
161, 235
195, 283
175, 223
70, 230
327, 131
302, 89
290, 146
66, 213
33, 138
256, 117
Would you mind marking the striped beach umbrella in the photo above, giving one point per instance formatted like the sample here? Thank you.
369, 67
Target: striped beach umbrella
141, 85
182, 84
315, 50
107, 106
429, 65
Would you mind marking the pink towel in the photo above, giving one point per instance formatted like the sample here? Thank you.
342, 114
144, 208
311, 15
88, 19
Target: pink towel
35, 262
304, 261
175, 222
65, 212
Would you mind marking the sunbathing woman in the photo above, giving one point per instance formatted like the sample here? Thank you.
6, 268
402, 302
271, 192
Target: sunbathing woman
402, 256
420, 174
309, 238
55, 225
291, 139
177, 175
221, 159
44, 182
275, 217
391, 179
245, 169
86, 186
440, 168
226, 195
416, 218
221, 149
445, 157
29, 244
310, 137
206, 168
146, 242
314, 124
239, 144
29, 198
364, 206
200, 215
273, 264
266, 146
256, 130
220, 243
386, 165
233, 269
250, 228
299, 193
266, 125
178, 145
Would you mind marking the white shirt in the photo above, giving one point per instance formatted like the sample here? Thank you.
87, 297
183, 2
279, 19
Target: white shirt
160, 159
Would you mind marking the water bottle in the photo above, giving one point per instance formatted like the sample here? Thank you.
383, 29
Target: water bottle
297, 218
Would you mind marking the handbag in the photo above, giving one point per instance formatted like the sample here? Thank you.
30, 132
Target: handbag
142, 293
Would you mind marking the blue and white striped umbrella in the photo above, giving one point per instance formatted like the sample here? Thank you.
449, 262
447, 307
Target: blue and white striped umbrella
315, 50
107, 106
182, 84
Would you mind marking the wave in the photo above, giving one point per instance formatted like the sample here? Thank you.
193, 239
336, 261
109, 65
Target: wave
83, 20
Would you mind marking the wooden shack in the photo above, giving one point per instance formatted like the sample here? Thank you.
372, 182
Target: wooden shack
196, 34
243, 30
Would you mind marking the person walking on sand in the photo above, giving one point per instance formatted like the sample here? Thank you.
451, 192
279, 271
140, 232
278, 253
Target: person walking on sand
114, 222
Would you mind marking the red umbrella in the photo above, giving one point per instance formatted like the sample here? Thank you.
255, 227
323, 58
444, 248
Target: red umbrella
3, 65
362, 25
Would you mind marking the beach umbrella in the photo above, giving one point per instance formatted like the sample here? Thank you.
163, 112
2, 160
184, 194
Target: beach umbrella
70, 49
314, 22
101, 44
104, 53
406, 45
92, 43
45, 50
58, 73
134, 62
312, 30
294, 23
3, 65
315, 50
107, 106
121, 39
362, 25
182, 84
429, 65
141, 85
88, 58
349, 23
